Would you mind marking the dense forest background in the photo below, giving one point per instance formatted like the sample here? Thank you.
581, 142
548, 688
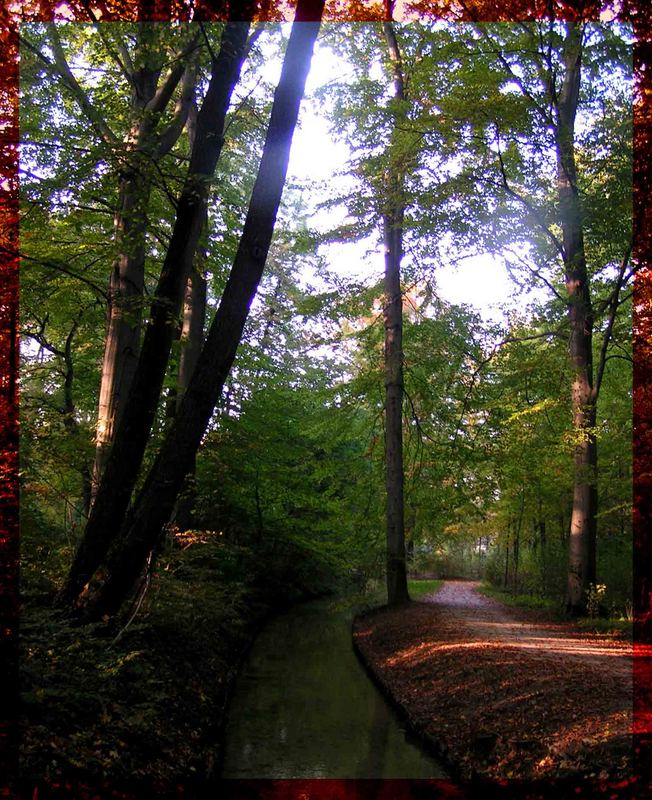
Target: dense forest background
228, 406
292, 459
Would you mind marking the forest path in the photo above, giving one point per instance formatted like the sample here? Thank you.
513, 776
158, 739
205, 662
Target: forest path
488, 620
503, 692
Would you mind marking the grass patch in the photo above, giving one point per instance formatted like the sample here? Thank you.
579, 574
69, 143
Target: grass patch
616, 626
420, 588
535, 602
622, 628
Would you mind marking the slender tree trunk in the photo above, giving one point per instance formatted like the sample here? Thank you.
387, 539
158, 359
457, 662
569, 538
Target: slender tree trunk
397, 590
124, 313
125, 458
142, 529
506, 572
69, 419
581, 560
194, 304
192, 330
192, 338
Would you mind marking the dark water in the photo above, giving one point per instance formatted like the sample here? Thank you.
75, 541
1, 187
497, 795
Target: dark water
304, 707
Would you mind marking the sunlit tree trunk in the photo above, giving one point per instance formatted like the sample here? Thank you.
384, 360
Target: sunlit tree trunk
582, 551
393, 214
142, 528
143, 148
124, 315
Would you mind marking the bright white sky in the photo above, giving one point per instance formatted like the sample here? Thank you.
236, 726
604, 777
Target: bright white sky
316, 157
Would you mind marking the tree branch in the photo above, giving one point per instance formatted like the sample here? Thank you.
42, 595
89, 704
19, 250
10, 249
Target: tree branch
606, 338
535, 213
119, 54
543, 112
164, 92
60, 268
537, 274
62, 67
170, 135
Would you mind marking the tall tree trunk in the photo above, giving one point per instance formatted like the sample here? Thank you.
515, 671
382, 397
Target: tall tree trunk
506, 571
124, 313
192, 338
125, 458
581, 559
194, 303
394, 209
142, 529
69, 418
144, 146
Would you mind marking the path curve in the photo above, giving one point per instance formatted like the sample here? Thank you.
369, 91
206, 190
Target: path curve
488, 619
501, 692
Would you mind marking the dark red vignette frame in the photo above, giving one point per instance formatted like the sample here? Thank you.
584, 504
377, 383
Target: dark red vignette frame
15, 12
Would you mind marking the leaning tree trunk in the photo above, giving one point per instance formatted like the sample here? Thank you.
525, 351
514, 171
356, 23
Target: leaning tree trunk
394, 210
154, 504
123, 464
582, 549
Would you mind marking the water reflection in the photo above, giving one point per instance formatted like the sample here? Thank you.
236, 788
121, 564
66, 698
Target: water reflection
304, 708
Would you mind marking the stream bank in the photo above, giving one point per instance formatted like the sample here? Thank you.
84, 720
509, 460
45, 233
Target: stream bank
303, 707
141, 715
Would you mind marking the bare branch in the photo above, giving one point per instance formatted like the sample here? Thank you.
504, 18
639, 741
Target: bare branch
606, 337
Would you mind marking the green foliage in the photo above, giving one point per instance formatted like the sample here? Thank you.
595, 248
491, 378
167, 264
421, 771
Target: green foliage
291, 467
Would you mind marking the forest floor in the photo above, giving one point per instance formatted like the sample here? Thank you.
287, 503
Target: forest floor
139, 713
502, 692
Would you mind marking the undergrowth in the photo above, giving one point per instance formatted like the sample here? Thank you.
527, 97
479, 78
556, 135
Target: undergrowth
615, 625
144, 708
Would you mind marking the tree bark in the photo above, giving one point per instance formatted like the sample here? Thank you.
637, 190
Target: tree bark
192, 338
144, 146
142, 529
124, 314
125, 458
194, 304
393, 213
581, 551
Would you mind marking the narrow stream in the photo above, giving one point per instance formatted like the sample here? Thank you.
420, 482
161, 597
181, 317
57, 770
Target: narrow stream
303, 707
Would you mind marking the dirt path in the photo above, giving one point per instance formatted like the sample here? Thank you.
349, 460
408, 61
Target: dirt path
487, 619
501, 693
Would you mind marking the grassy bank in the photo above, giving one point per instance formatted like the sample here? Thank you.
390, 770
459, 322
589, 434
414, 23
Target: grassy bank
420, 588
547, 608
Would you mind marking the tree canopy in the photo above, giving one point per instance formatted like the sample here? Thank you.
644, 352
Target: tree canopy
457, 137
